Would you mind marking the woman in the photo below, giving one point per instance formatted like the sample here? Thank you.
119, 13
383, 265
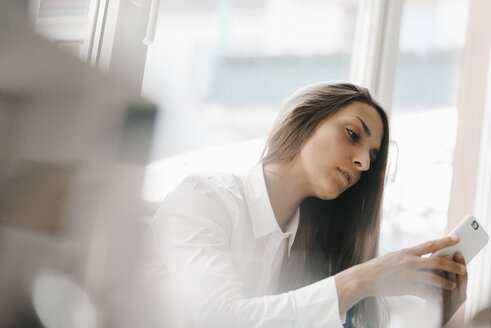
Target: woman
293, 242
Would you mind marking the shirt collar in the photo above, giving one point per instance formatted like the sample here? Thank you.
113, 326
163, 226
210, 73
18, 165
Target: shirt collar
262, 216
291, 229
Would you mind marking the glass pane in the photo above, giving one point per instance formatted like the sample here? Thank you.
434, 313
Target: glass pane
220, 69
62, 21
424, 121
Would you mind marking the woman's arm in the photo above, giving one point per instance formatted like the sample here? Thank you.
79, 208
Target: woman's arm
202, 269
403, 272
194, 244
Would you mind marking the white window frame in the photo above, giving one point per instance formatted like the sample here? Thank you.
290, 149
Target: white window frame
479, 282
118, 33
376, 47
471, 184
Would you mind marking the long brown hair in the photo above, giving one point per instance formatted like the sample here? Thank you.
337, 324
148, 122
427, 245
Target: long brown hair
332, 235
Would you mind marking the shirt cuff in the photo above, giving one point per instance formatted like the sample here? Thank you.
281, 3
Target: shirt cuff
317, 305
342, 316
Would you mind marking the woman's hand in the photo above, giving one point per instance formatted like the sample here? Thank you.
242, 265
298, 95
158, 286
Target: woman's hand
453, 299
404, 272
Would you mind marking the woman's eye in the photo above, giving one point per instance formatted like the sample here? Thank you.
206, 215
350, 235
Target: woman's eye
353, 135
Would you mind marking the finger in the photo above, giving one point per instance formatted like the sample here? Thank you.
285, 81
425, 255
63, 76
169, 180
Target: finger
437, 263
432, 279
461, 278
434, 245
438, 272
451, 275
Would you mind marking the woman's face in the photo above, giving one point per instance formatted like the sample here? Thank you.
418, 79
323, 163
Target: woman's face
340, 149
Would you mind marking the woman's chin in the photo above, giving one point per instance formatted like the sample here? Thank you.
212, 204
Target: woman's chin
329, 194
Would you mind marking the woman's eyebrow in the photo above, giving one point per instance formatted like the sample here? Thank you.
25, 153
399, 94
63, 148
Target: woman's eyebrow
365, 127
374, 152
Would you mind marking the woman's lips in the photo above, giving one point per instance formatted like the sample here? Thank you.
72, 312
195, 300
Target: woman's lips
344, 177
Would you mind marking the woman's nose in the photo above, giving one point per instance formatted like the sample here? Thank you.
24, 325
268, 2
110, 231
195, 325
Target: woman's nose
362, 161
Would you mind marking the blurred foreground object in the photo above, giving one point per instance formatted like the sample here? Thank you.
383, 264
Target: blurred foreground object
73, 149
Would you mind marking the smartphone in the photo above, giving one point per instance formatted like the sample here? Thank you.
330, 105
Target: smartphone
472, 238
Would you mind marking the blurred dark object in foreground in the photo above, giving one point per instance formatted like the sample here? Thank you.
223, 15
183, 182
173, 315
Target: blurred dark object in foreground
73, 149
34, 195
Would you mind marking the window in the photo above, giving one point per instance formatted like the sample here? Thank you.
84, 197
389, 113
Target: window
62, 21
227, 65
424, 121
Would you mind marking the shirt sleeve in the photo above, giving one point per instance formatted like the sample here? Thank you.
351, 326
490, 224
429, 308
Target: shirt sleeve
191, 234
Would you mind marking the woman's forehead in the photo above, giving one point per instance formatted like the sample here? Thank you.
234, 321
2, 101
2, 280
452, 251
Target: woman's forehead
361, 114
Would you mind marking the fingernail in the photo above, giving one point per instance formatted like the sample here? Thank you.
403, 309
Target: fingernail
454, 285
454, 238
462, 269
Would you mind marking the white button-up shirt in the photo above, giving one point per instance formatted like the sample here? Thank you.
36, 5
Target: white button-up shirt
223, 249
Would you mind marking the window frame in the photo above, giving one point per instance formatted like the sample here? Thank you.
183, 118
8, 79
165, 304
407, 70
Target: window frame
376, 47
117, 36
471, 194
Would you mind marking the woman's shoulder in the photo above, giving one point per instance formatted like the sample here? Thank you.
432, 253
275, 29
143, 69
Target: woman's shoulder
212, 182
203, 198
207, 189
